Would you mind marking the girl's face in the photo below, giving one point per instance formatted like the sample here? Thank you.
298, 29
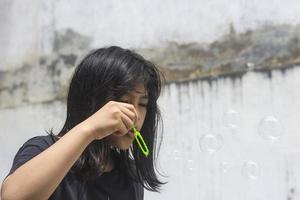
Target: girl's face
138, 98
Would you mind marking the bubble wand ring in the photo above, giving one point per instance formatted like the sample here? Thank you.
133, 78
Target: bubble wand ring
140, 141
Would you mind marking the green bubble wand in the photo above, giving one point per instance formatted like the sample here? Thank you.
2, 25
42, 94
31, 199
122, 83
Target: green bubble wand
140, 141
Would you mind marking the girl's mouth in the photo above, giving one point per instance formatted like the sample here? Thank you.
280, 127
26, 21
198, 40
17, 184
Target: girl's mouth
130, 134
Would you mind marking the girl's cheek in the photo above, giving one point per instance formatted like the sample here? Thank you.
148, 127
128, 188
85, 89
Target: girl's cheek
141, 119
141, 113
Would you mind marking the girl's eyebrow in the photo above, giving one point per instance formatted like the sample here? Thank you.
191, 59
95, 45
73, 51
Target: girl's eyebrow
139, 92
145, 96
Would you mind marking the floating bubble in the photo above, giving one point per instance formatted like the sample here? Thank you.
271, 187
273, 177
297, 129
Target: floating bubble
270, 128
231, 119
250, 66
211, 143
250, 170
176, 155
190, 165
224, 167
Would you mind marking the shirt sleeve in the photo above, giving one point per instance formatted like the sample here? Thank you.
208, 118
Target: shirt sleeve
29, 149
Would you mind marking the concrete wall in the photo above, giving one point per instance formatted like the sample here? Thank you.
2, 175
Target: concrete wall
212, 147
232, 138
29, 31
239, 61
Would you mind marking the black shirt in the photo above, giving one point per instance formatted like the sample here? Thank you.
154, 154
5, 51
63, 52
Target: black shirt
112, 185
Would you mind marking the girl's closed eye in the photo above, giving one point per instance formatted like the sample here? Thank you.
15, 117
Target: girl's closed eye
124, 101
143, 104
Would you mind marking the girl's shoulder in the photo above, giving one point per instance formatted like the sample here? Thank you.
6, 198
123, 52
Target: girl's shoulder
42, 141
30, 149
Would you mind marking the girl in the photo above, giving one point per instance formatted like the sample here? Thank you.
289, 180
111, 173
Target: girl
94, 156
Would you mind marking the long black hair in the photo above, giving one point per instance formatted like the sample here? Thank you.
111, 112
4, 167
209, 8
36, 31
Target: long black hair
107, 74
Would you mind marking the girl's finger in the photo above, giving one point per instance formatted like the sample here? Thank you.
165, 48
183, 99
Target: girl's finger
122, 129
131, 113
127, 122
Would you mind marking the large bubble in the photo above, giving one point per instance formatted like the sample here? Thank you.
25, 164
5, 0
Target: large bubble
211, 143
270, 128
231, 119
250, 170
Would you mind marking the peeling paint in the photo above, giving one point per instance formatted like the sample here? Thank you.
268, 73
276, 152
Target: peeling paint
267, 48
48, 79
232, 56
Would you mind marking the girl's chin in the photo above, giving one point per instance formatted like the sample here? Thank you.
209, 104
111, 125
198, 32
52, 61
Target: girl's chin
123, 146
122, 142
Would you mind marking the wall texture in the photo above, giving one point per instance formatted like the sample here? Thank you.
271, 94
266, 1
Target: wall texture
232, 138
231, 103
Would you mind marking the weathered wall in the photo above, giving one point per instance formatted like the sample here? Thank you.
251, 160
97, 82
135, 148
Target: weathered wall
30, 31
232, 138
242, 56
226, 112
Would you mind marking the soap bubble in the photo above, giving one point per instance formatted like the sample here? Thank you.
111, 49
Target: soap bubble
270, 128
210, 143
250, 170
250, 66
231, 119
224, 167
190, 165
176, 155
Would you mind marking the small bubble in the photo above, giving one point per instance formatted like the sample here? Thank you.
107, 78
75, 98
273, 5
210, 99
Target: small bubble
176, 155
250, 66
224, 167
190, 165
270, 128
250, 170
211, 143
231, 119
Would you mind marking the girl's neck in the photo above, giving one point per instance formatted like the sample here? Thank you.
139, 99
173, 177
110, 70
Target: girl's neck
110, 164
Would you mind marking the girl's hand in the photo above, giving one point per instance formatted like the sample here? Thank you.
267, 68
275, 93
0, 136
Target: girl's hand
113, 118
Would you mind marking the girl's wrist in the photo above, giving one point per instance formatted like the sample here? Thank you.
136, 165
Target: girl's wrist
86, 131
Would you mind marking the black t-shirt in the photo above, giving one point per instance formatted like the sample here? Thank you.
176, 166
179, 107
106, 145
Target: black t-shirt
112, 185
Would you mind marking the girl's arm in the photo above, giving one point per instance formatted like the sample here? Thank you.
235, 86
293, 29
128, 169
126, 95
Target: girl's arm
38, 178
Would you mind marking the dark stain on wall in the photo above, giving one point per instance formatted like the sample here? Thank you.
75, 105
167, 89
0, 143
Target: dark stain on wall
263, 51
70, 39
69, 60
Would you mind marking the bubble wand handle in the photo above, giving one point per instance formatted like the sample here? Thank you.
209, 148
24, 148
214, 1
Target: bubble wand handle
140, 141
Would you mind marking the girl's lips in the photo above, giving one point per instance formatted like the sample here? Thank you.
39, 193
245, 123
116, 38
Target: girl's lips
130, 134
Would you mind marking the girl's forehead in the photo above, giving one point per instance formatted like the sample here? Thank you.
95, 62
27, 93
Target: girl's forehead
138, 90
